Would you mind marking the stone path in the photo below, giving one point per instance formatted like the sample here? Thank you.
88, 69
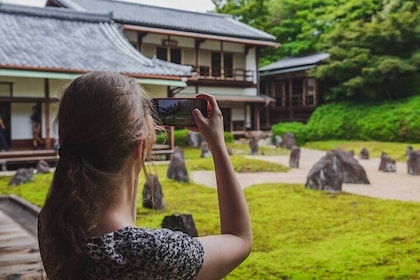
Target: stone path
397, 186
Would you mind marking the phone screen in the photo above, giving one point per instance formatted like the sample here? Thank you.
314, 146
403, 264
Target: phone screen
178, 111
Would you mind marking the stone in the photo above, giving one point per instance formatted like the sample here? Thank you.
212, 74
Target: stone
152, 193
278, 141
22, 175
205, 152
294, 157
354, 173
180, 222
364, 154
326, 175
253, 145
413, 163
288, 140
334, 169
177, 169
387, 164
194, 139
254, 138
408, 150
42, 167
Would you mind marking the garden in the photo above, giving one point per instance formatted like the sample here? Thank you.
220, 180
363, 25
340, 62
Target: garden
298, 233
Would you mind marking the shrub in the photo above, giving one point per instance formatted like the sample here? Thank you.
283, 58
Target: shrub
297, 128
395, 121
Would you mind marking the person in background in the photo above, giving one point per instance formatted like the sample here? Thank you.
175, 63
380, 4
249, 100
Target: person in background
36, 127
3, 141
87, 227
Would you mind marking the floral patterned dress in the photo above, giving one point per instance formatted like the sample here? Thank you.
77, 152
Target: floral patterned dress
141, 253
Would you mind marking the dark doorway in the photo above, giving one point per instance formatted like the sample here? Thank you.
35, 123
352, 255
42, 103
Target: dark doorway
5, 115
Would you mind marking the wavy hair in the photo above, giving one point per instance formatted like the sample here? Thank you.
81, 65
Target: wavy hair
101, 119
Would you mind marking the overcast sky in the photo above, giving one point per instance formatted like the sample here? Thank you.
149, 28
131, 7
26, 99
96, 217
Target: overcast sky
190, 5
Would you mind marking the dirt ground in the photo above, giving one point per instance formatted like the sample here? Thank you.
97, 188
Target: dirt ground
397, 185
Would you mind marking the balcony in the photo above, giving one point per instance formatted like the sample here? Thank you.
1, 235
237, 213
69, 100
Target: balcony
225, 74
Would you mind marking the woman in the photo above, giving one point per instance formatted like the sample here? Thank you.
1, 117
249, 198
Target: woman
87, 227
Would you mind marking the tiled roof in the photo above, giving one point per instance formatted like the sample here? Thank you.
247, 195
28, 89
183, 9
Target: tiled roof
54, 39
292, 62
166, 18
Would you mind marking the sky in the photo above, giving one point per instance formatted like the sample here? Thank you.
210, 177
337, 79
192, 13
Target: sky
188, 5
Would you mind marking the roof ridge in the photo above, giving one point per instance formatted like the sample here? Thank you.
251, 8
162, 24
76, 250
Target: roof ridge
165, 8
53, 12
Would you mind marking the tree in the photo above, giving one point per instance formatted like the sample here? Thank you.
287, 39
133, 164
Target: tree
373, 56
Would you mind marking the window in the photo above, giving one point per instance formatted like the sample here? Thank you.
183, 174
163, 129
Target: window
217, 60
216, 64
228, 65
169, 54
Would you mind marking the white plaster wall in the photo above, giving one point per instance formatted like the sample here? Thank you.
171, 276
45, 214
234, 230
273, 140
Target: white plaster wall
20, 121
221, 91
251, 63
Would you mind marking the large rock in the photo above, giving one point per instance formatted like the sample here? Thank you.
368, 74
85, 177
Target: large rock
152, 193
177, 169
354, 173
387, 164
180, 222
326, 174
334, 169
413, 162
22, 175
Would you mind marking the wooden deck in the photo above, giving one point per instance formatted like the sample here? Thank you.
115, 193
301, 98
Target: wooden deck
19, 253
15, 158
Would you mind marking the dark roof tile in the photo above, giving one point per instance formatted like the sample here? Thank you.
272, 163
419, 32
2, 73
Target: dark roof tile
152, 16
63, 40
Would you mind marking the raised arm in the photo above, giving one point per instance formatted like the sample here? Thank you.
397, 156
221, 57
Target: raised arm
226, 251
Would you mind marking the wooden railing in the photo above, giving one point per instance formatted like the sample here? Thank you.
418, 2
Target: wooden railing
237, 74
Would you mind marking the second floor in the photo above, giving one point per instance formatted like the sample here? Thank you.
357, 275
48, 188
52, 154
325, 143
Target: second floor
212, 60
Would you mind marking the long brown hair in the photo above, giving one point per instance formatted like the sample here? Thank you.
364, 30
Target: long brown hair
101, 118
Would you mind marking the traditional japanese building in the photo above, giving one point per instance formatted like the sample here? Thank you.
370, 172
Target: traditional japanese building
295, 92
223, 52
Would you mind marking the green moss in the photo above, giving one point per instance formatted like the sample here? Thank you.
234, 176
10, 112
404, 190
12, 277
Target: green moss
298, 233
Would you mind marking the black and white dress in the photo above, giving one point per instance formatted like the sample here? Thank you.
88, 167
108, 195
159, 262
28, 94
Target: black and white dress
141, 253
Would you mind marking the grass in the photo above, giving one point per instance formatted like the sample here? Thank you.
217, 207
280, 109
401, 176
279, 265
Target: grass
395, 150
298, 233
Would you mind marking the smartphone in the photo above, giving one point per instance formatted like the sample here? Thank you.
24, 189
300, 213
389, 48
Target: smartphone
178, 111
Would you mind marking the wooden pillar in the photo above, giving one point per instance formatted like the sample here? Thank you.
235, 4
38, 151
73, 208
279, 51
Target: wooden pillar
290, 98
47, 113
257, 118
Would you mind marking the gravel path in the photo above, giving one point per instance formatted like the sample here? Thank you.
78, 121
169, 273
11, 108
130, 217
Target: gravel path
397, 186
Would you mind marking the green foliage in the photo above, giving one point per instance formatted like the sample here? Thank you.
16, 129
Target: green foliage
373, 51
373, 44
388, 122
161, 137
297, 128
181, 137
